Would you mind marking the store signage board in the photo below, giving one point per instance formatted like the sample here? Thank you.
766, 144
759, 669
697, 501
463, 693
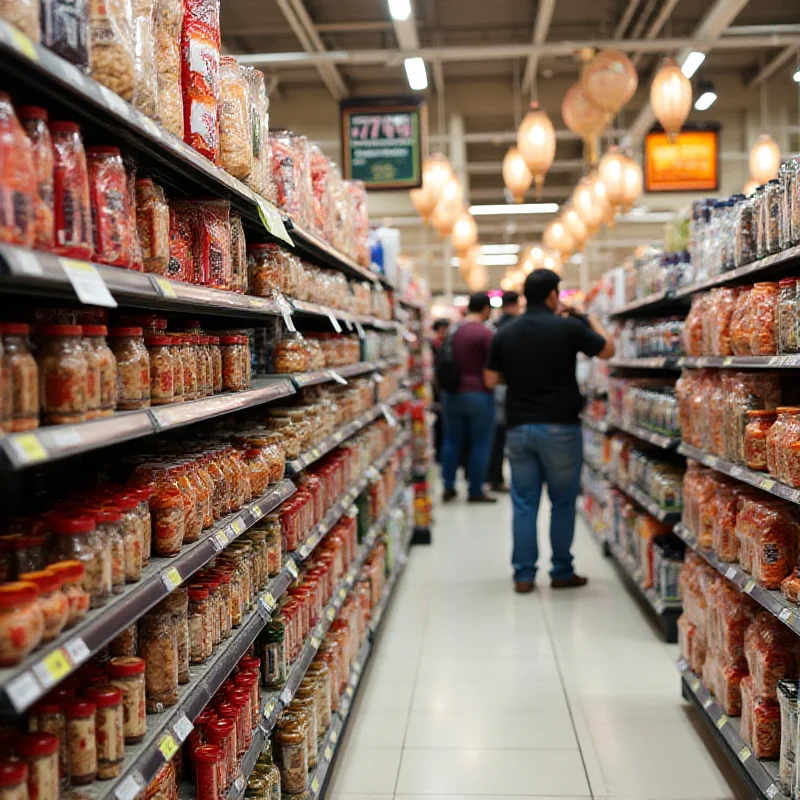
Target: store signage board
691, 164
382, 141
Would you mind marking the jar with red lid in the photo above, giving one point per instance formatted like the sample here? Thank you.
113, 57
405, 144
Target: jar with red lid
81, 740
20, 367
240, 700
208, 772
133, 368
193, 513
17, 180
266, 264
40, 752
258, 471
220, 497
51, 600
21, 621
63, 375
112, 216
127, 673
108, 519
131, 537
166, 507
199, 625
14, 780
248, 682
313, 485
222, 733
763, 300
189, 361
72, 215
208, 363
177, 605
290, 528
94, 342
216, 363
73, 541
47, 716
192, 468
72, 574
109, 728
162, 367
234, 368
158, 646
34, 122
142, 494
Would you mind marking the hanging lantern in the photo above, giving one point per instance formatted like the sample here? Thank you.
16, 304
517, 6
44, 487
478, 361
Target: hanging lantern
516, 175
552, 261
557, 237
765, 158
583, 117
465, 233
436, 171
610, 80
449, 207
506, 284
532, 258
671, 98
469, 261
632, 182
478, 279
750, 187
612, 173
575, 227
583, 200
536, 141
424, 202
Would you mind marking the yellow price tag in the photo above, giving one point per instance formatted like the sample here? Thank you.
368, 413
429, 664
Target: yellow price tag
766, 484
57, 665
168, 747
292, 567
166, 287
314, 784
328, 753
238, 526
172, 578
744, 754
269, 600
334, 736
748, 587
330, 613
28, 448
257, 512
721, 721
24, 44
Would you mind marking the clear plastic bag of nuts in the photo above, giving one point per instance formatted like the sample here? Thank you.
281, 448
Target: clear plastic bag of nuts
23, 14
235, 132
145, 87
111, 51
168, 24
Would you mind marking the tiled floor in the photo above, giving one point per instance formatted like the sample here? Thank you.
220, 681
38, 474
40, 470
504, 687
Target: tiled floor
477, 693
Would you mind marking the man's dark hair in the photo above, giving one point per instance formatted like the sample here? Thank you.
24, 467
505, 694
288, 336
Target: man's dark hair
478, 302
509, 298
539, 284
441, 323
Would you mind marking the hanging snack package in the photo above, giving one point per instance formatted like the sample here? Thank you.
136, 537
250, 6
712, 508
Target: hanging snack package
181, 266
235, 130
111, 212
111, 55
211, 240
65, 29
24, 15
71, 206
34, 121
18, 197
168, 26
200, 42
145, 86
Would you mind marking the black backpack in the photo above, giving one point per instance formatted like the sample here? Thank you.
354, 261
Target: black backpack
446, 368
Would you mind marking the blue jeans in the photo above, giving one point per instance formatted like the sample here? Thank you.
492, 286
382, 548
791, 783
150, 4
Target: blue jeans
540, 454
470, 416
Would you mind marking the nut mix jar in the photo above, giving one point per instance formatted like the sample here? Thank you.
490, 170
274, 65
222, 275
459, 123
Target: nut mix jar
51, 600
13, 780
73, 541
133, 368
94, 341
81, 740
63, 375
162, 369
72, 574
24, 373
166, 507
158, 646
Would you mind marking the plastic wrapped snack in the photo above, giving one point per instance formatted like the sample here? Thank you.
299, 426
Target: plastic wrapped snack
200, 42
256, 180
71, 206
771, 651
238, 255
775, 550
23, 14
181, 266
723, 302
787, 700
145, 86
111, 212
34, 121
18, 196
763, 298
235, 130
152, 222
211, 240
168, 26
741, 324
65, 29
284, 172
111, 49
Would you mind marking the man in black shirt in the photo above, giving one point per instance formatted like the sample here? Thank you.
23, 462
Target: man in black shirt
535, 357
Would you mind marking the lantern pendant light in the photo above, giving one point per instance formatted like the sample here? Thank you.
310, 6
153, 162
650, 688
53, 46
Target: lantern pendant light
478, 279
469, 261
552, 261
536, 141
583, 117
765, 159
436, 171
575, 227
557, 237
671, 98
632, 182
585, 203
611, 171
424, 202
449, 207
610, 80
516, 175
465, 233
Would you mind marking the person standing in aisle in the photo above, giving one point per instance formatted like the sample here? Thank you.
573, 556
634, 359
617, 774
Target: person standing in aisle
441, 328
535, 357
496, 481
468, 406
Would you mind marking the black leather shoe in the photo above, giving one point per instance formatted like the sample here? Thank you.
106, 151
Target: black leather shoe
573, 582
524, 587
448, 495
481, 498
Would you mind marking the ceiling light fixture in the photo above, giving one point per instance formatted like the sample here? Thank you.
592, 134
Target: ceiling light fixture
400, 9
416, 74
499, 249
692, 63
521, 208
496, 301
499, 260
796, 76
707, 96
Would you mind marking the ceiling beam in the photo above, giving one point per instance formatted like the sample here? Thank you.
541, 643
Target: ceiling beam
772, 66
636, 30
657, 24
368, 26
544, 16
625, 20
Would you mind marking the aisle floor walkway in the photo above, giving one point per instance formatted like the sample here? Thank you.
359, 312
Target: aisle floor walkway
475, 691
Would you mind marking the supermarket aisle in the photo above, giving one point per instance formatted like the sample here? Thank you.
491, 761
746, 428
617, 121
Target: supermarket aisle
476, 691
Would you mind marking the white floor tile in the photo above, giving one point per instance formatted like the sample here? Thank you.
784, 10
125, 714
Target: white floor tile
377, 729
362, 770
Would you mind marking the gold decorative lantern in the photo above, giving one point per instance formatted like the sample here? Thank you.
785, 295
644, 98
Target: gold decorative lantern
557, 237
469, 261
536, 142
632, 182
610, 80
671, 98
532, 258
516, 175
465, 233
584, 202
449, 207
552, 261
436, 171
424, 202
765, 158
575, 227
585, 118
478, 279
612, 173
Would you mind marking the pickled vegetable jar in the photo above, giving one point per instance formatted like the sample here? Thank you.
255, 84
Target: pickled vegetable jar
63, 375
21, 621
133, 368
21, 367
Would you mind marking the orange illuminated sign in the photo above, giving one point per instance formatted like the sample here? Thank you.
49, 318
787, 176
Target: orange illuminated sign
689, 165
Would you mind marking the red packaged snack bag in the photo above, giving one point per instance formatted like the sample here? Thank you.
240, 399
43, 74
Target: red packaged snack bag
211, 240
775, 544
34, 121
693, 328
18, 198
763, 298
771, 651
285, 172
111, 212
200, 42
741, 324
181, 266
71, 204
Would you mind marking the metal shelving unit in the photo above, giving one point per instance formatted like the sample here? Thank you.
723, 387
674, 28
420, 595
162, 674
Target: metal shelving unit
652, 362
647, 502
658, 439
600, 425
740, 362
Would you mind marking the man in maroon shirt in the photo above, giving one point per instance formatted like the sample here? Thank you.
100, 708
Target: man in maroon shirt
468, 413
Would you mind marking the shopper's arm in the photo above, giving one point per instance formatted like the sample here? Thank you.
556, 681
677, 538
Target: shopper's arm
608, 349
492, 379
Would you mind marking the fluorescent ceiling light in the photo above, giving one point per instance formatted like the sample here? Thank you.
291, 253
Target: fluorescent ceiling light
692, 63
496, 301
499, 249
796, 76
416, 74
508, 260
706, 100
400, 9
510, 208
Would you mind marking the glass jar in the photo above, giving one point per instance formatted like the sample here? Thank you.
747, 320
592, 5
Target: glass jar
133, 368
248, 682
292, 747
166, 508
177, 605
72, 577
290, 355
265, 266
152, 224
101, 546
789, 452
131, 536
319, 671
48, 717
110, 730
13, 780
127, 673
20, 366
240, 700
772, 217
73, 541
162, 368
258, 469
191, 388
108, 520
41, 754
786, 178
272, 527
204, 354
222, 733
216, 363
289, 434
126, 643
198, 618
158, 646
763, 300
112, 216
208, 768
72, 214
274, 660
234, 363
81, 740
51, 601
306, 698
21, 622
63, 374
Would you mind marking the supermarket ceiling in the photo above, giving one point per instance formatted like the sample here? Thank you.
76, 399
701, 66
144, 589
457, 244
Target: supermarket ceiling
485, 60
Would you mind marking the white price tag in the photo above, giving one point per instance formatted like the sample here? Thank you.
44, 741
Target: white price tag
69, 437
183, 727
337, 377
77, 651
272, 220
130, 787
348, 321
286, 696
87, 283
390, 417
730, 573
286, 312
23, 262
360, 330
24, 691
335, 322
378, 378
785, 615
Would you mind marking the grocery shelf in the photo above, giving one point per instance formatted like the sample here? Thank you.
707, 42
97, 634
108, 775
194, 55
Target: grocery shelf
658, 439
761, 777
600, 425
647, 502
54, 442
740, 362
23, 685
772, 600
652, 362
761, 480
351, 321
